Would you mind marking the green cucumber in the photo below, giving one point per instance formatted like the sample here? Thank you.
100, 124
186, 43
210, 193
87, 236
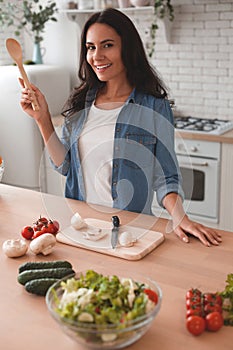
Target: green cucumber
40, 285
32, 265
57, 273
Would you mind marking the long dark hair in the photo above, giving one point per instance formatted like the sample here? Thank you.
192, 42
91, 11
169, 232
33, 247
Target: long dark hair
140, 73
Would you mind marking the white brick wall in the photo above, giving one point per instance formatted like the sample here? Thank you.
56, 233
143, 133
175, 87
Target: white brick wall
197, 65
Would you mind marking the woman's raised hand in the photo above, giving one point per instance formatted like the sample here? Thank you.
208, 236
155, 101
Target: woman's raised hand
26, 103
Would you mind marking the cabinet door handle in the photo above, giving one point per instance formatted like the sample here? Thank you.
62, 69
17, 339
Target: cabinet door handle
194, 164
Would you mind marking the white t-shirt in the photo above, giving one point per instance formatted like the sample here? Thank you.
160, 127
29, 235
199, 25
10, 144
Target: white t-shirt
96, 153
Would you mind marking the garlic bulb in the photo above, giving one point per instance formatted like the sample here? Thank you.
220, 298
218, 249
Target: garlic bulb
126, 239
78, 222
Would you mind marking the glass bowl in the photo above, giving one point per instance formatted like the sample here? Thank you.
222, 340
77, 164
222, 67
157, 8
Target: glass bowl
105, 335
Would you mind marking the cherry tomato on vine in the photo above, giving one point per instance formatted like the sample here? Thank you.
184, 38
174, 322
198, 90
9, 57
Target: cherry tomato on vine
191, 303
27, 232
213, 298
40, 223
38, 233
37, 226
214, 321
193, 293
195, 324
211, 307
52, 226
218, 299
197, 310
42, 220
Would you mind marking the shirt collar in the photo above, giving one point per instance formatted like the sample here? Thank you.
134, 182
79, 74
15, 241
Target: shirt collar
134, 97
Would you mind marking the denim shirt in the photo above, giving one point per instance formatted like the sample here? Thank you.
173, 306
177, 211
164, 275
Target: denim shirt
144, 159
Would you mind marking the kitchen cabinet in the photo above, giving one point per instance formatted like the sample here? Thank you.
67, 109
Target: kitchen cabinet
226, 188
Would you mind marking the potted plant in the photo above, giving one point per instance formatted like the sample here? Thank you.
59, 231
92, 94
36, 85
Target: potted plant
163, 9
31, 16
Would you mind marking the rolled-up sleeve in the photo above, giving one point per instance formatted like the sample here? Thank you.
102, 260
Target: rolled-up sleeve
167, 176
65, 139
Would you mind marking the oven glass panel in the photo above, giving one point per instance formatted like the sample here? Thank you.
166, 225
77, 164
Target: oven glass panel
193, 184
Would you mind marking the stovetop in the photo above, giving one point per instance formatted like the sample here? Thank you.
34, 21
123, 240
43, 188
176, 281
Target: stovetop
202, 125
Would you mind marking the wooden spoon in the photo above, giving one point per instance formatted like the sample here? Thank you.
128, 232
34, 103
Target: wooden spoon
15, 51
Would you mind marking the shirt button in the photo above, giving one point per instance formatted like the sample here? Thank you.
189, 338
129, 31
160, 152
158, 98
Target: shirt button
114, 183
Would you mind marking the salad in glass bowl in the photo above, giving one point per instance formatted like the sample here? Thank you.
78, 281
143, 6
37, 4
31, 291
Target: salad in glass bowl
102, 311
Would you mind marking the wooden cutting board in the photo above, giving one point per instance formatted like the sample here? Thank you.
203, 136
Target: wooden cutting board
146, 240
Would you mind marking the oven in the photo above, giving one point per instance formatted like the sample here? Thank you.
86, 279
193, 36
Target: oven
199, 163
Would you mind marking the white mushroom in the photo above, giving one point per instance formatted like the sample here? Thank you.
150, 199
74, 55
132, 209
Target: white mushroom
78, 222
14, 248
126, 239
94, 234
43, 244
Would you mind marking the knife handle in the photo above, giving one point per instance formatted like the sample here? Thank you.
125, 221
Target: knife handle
115, 221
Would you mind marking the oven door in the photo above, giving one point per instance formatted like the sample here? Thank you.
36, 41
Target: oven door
201, 186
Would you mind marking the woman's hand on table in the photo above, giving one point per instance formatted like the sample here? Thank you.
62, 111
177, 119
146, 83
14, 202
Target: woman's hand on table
185, 227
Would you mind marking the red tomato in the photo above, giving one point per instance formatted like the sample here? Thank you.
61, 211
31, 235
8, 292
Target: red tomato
192, 303
211, 307
27, 232
214, 298
40, 223
37, 226
52, 226
38, 233
197, 310
151, 295
42, 220
193, 293
214, 321
195, 324
218, 299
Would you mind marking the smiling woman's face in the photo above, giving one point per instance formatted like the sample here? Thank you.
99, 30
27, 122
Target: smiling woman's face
104, 52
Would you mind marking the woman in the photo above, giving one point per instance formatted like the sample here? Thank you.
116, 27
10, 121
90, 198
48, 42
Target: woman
117, 146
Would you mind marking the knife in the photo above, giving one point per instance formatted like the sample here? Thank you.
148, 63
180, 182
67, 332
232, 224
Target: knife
115, 231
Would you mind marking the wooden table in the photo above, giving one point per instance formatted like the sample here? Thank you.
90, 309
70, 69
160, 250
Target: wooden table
176, 266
